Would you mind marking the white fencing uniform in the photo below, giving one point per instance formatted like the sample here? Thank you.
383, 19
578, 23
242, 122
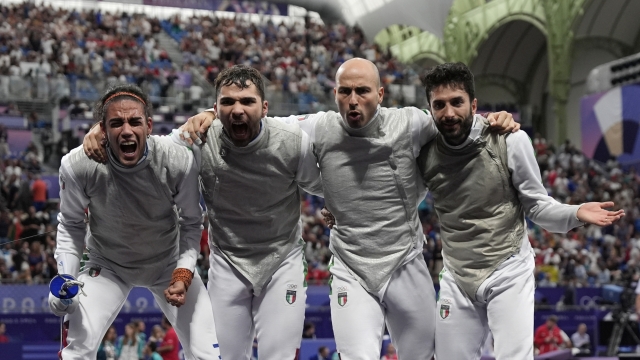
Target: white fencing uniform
257, 272
136, 239
482, 191
372, 186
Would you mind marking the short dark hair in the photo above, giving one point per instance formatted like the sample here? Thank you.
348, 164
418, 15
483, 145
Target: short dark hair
456, 75
128, 91
239, 75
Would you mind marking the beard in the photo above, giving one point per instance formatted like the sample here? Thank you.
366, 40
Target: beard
458, 134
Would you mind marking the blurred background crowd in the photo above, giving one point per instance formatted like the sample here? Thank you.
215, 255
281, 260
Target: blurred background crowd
56, 60
74, 54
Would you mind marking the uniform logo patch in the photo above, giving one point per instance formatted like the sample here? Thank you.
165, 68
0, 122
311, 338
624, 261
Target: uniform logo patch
94, 271
445, 310
342, 298
291, 296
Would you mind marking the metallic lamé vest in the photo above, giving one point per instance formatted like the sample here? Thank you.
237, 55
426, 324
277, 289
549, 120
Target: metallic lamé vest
481, 217
252, 198
370, 184
132, 219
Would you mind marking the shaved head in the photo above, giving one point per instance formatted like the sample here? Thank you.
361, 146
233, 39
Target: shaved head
366, 68
358, 92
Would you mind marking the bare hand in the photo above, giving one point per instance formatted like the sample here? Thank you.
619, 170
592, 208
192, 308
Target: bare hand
595, 213
197, 127
503, 122
176, 294
94, 145
328, 218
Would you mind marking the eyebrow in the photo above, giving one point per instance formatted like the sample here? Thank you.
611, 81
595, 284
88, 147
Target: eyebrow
121, 119
242, 98
363, 87
451, 99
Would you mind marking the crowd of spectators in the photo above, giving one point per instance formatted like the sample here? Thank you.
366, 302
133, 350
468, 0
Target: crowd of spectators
298, 59
27, 225
69, 53
47, 52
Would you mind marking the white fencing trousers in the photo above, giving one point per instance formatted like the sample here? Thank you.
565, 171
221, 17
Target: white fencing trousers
406, 305
504, 304
275, 317
107, 293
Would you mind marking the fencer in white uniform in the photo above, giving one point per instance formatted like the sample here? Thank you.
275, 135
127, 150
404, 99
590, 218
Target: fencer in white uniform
483, 185
145, 223
251, 168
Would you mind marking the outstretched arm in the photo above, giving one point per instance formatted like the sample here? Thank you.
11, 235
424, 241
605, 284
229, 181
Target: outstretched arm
541, 208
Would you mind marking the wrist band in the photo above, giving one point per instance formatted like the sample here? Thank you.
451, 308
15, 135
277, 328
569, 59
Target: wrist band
182, 274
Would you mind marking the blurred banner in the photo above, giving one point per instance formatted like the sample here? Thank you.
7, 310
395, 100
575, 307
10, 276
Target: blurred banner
249, 7
611, 125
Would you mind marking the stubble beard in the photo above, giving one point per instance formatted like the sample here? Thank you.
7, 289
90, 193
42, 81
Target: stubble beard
457, 137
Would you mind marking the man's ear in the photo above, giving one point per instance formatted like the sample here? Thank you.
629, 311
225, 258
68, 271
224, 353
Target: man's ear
474, 106
265, 108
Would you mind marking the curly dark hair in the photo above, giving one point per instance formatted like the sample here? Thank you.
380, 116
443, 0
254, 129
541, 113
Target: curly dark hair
107, 98
242, 76
456, 75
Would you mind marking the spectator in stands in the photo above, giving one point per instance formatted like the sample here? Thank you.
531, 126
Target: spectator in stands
309, 331
31, 225
170, 345
4, 145
37, 262
390, 353
323, 354
39, 193
31, 157
195, 94
3, 333
12, 110
150, 352
107, 349
547, 337
128, 346
10, 189
5, 274
20, 269
140, 330
581, 340
157, 334
5, 223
